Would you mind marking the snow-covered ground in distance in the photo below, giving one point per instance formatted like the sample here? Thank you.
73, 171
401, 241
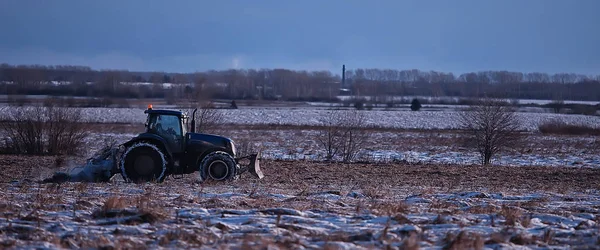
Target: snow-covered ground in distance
454, 99
388, 147
398, 119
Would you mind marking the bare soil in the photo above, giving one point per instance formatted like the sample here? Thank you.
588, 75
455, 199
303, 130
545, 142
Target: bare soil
392, 176
301, 205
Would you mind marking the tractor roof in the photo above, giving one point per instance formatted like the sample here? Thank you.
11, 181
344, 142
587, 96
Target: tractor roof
164, 112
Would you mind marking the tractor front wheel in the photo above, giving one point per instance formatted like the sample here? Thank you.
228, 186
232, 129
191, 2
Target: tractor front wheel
143, 162
217, 166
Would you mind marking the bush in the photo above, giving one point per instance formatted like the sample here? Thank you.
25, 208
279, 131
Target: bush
562, 128
208, 118
415, 105
556, 105
43, 130
359, 104
343, 134
491, 127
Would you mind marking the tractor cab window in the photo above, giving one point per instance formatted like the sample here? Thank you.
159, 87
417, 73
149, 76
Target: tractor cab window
165, 125
169, 128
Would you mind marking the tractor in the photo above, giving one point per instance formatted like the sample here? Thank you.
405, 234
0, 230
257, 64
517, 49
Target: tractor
167, 148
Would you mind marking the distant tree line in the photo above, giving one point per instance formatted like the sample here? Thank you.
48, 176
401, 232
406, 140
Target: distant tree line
283, 84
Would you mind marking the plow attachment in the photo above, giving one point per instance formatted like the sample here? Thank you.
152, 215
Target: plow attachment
98, 168
253, 167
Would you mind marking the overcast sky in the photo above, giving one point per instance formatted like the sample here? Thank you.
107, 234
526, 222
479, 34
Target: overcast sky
186, 36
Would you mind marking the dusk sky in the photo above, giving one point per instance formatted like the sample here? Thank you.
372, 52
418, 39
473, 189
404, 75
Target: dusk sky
196, 35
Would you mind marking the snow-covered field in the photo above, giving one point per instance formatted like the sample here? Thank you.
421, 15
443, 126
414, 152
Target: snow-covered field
186, 215
456, 99
407, 147
311, 116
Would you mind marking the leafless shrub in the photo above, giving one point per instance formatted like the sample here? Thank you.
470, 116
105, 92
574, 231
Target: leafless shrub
43, 130
208, 118
245, 147
490, 126
23, 130
329, 136
343, 134
557, 105
65, 131
562, 128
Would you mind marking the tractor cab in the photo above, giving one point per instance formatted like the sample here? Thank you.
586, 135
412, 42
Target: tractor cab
169, 125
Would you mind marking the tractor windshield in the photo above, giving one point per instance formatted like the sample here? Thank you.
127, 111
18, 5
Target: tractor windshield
168, 127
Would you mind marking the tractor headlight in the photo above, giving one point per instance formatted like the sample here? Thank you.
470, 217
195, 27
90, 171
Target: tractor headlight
233, 149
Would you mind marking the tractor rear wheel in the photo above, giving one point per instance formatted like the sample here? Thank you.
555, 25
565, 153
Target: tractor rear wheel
143, 162
218, 166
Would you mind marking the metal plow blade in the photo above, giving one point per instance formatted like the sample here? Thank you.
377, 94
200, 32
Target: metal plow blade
254, 167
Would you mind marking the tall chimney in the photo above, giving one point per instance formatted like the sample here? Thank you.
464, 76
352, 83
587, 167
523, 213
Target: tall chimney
343, 75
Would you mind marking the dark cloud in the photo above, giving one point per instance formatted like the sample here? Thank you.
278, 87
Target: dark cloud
458, 36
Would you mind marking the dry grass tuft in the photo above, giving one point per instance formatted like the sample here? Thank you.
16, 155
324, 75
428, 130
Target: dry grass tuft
498, 238
440, 219
447, 206
548, 236
390, 208
401, 219
192, 239
115, 207
534, 204
483, 209
374, 192
511, 215
464, 240
114, 203
522, 239
411, 242
526, 220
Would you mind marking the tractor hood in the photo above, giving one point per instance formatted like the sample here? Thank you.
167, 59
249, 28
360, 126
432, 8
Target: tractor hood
218, 141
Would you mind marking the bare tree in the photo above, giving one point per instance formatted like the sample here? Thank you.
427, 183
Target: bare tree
490, 127
329, 136
208, 118
343, 134
354, 135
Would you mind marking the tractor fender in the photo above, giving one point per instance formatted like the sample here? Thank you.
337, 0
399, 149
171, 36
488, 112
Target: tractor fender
151, 138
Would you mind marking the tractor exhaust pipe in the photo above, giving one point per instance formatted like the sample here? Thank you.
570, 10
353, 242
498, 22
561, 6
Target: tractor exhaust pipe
193, 128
